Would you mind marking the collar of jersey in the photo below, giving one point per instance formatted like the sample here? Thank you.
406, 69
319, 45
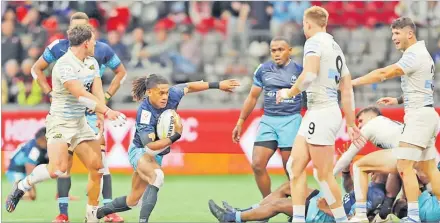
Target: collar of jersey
324, 34
76, 58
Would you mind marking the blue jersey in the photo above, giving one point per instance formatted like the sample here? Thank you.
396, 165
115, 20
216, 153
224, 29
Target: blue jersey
27, 153
147, 116
429, 207
272, 78
104, 54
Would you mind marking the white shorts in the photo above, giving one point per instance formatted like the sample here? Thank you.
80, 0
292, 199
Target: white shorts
420, 129
70, 131
320, 126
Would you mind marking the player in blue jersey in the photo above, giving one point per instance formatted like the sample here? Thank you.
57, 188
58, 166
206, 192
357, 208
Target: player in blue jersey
317, 209
280, 122
26, 157
146, 150
106, 57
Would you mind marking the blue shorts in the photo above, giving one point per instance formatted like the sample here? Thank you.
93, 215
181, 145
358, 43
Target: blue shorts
134, 154
429, 207
91, 120
14, 176
282, 129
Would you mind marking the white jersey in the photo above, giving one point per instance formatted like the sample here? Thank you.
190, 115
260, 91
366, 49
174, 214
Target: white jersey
69, 67
323, 92
417, 83
381, 131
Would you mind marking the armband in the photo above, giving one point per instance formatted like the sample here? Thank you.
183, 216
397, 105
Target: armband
107, 96
175, 137
214, 85
89, 103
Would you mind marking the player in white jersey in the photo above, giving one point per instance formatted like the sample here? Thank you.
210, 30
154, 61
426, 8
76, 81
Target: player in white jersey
324, 73
416, 69
66, 125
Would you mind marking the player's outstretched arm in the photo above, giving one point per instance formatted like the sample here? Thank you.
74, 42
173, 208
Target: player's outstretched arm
305, 79
390, 101
37, 74
118, 79
248, 107
226, 85
379, 75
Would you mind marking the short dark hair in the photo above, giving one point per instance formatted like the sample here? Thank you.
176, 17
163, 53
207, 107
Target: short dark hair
281, 38
40, 133
79, 34
403, 22
79, 15
373, 109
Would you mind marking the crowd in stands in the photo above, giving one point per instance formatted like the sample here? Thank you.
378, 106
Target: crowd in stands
197, 40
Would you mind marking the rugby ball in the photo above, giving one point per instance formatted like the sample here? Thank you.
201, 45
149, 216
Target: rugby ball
166, 123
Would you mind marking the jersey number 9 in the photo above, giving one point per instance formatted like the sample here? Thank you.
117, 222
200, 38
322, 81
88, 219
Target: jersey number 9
339, 68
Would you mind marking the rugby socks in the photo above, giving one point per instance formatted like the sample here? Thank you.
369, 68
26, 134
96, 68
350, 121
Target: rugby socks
119, 204
63, 186
149, 200
39, 174
339, 214
413, 211
386, 207
361, 209
106, 189
231, 216
299, 213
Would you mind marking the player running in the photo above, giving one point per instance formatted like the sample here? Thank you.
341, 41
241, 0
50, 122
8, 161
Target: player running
280, 123
416, 69
106, 57
324, 73
146, 151
73, 75
26, 157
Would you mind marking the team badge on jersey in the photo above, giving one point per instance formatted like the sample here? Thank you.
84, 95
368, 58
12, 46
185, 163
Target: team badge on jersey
293, 80
92, 67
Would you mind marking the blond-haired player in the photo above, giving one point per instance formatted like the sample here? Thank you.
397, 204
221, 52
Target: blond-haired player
66, 124
416, 69
324, 73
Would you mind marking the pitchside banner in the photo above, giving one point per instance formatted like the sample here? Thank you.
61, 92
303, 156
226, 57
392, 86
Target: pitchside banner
206, 145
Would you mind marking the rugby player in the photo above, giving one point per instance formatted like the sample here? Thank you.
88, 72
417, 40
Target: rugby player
26, 157
280, 122
73, 75
106, 57
416, 69
325, 71
146, 150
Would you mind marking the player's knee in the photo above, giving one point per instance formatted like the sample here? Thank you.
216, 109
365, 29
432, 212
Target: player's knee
133, 201
321, 174
159, 178
258, 167
405, 166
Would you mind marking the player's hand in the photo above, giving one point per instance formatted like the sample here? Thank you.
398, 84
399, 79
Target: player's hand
356, 137
387, 101
117, 118
178, 127
228, 85
236, 133
283, 94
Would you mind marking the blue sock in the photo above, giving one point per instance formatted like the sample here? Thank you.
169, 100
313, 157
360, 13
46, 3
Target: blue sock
230, 216
63, 204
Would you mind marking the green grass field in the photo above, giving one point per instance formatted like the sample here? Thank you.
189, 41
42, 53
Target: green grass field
182, 199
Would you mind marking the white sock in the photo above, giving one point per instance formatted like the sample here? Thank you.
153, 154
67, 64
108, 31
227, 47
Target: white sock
91, 212
339, 214
413, 210
361, 208
39, 174
299, 213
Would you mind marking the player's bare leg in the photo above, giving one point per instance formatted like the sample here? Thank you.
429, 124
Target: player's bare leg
300, 159
107, 185
405, 167
89, 152
429, 168
379, 161
285, 157
322, 157
57, 166
260, 158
